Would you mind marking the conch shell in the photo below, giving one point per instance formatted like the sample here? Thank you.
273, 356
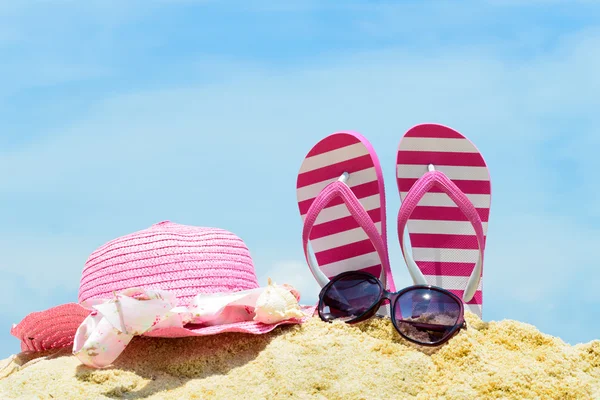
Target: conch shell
277, 303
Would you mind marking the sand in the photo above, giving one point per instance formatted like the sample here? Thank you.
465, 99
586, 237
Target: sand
495, 360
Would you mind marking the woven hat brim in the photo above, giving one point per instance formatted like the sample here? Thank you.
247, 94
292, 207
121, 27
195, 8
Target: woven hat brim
251, 327
56, 327
50, 329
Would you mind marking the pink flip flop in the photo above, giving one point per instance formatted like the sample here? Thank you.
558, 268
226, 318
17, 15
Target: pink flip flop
341, 200
445, 189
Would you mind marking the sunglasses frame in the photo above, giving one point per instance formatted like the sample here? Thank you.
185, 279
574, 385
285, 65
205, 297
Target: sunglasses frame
393, 297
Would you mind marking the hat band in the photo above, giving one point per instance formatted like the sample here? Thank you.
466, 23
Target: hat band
111, 325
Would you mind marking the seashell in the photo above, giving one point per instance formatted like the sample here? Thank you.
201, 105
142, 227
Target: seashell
292, 290
277, 303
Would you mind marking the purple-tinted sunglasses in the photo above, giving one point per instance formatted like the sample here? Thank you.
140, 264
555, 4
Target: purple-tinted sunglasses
422, 314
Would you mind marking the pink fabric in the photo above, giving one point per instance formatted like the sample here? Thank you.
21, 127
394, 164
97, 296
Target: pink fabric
185, 260
56, 327
241, 327
340, 189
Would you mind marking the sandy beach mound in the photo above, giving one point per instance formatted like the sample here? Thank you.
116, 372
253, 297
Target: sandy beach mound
495, 360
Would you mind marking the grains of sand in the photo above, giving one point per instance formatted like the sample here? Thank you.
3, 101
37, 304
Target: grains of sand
317, 360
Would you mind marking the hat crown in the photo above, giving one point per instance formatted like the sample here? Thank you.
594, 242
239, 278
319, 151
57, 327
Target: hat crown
185, 260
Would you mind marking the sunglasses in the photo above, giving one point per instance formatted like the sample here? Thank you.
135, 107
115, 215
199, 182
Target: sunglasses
422, 314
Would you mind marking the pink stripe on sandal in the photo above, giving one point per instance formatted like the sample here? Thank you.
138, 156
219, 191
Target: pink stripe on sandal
445, 237
339, 240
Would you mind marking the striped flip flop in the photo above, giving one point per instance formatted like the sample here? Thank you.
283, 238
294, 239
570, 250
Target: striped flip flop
341, 200
445, 189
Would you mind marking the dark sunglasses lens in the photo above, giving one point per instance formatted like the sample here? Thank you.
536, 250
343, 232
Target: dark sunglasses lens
426, 316
349, 297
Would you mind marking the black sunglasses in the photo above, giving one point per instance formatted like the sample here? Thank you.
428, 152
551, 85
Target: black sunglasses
423, 314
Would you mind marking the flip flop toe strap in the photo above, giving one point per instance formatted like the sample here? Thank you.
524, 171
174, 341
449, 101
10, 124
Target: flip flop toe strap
358, 212
414, 195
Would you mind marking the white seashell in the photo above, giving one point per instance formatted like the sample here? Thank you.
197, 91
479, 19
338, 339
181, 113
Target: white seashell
276, 304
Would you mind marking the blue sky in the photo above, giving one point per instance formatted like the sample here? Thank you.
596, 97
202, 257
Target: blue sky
116, 116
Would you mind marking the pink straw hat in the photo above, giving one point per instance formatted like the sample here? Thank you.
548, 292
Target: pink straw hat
183, 260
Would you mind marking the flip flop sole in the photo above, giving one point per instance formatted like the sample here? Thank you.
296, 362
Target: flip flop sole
443, 242
338, 242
